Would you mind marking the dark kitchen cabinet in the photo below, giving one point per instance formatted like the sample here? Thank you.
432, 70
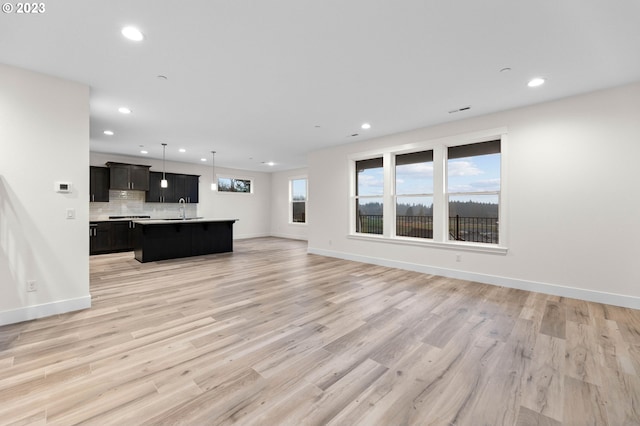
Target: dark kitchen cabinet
157, 240
99, 237
120, 235
157, 194
111, 236
179, 186
191, 188
186, 187
128, 176
212, 237
98, 184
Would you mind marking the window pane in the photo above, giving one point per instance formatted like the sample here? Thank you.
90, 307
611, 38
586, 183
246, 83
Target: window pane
224, 184
298, 189
299, 212
369, 177
414, 217
474, 218
369, 215
414, 173
474, 168
241, 185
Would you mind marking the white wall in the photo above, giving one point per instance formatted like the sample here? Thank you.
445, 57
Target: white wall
254, 217
573, 209
44, 137
280, 218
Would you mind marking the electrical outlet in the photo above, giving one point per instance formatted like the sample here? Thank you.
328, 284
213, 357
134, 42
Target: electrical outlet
32, 285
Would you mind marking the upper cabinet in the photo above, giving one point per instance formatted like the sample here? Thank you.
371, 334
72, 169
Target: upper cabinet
186, 187
178, 186
128, 176
192, 188
99, 184
157, 194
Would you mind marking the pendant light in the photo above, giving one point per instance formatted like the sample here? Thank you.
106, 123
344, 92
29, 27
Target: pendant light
163, 182
214, 184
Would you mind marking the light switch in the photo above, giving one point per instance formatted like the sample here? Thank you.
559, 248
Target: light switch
71, 213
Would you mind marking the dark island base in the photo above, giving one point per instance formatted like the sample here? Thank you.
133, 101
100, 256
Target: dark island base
160, 241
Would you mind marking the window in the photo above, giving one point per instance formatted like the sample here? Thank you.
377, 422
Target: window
473, 192
414, 194
234, 185
446, 192
298, 200
368, 198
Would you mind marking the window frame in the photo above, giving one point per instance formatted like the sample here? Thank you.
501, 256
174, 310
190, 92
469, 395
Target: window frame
355, 197
449, 194
291, 201
395, 195
440, 196
251, 184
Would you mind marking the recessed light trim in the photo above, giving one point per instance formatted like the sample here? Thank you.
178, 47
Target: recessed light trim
535, 82
108, 132
365, 126
132, 33
124, 110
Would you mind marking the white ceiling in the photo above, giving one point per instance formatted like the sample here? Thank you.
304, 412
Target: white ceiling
253, 79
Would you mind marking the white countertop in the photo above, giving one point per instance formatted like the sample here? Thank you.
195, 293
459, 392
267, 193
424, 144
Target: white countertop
187, 220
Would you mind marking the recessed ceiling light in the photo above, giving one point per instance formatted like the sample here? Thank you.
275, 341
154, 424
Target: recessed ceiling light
535, 82
366, 126
108, 132
124, 110
132, 33
144, 152
203, 159
182, 150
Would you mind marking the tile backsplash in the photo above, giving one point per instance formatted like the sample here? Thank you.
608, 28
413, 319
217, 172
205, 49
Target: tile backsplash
131, 203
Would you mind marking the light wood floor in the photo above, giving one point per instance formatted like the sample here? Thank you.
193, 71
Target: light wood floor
270, 335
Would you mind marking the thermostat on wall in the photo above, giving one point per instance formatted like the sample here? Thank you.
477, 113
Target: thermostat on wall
63, 186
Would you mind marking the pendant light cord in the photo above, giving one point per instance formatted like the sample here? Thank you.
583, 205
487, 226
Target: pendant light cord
164, 148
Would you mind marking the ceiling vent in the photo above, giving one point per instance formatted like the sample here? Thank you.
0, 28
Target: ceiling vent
468, 107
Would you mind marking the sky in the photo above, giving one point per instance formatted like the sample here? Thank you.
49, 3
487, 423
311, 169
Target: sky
299, 189
470, 174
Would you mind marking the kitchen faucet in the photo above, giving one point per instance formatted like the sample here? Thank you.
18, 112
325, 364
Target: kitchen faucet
183, 208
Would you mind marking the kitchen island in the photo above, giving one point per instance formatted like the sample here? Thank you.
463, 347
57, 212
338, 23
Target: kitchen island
173, 238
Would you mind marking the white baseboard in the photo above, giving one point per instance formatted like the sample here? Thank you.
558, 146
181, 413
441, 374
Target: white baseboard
538, 287
47, 309
246, 236
288, 236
